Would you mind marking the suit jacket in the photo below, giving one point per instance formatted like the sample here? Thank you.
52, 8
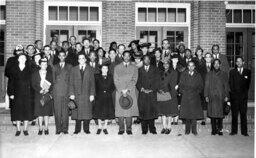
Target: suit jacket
61, 80
239, 83
224, 63
71, 57
160, 65
82, 89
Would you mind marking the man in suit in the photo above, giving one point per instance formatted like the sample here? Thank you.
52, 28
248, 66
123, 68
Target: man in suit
166, 52
147, 87
87, 47
61, 72
38, 46
72, 43
239, 80
223, 59
82, 91
120, 50
70, 55
54, 52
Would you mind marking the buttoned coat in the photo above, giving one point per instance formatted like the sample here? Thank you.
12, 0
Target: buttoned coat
82, 89
126, 78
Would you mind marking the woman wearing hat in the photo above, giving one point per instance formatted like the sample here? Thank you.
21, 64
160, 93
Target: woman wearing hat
138, 59
125, 79
104, 109
134, 48
144, 48
191, 85
19, 90
42, 84
168, 107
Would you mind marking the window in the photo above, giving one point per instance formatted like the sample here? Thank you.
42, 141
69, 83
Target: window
2, 32
2, 12
91, 34
62, 35
162, 12
235, 15
234, 46
149, 37
174, 37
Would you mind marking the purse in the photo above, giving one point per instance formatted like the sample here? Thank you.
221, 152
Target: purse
72, 105
45, 99
165, 96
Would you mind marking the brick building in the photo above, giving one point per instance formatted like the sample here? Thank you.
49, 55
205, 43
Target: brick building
231, 24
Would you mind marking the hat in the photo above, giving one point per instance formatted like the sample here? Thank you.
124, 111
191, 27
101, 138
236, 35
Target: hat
72, 105
138, 55
19, 47
134, 41
125, 102
145, 45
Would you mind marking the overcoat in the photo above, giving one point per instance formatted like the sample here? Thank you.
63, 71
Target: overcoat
126, 78
82, 89
190, 87
20, 87
216, 89
147, 102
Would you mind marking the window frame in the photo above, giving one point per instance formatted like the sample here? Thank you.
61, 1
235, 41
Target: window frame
240, 7
166, 5
3, 22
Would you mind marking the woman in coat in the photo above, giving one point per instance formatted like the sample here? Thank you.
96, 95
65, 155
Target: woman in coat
20, 93
216, 92
104, 109
169, 108
39, 80
82, 91
157, 60
191, 85
125, 79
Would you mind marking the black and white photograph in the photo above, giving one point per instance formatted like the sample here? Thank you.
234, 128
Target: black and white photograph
127, 78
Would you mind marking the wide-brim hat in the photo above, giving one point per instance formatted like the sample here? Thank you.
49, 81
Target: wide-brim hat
125, 102
138, 55
145, 45
134, 41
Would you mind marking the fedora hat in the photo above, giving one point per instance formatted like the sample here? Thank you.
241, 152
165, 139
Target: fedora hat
145, 45
134, 41
125, 102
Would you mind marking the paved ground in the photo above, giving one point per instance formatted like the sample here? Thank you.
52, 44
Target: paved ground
114, 146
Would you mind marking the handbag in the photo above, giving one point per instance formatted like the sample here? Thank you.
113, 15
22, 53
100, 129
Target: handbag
45, 99
72, 105
226, 108
165, 96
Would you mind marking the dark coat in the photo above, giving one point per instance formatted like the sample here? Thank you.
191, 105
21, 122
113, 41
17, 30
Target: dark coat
201, 67
190, 87
61, 80
147, 102
71, 57
239, 83
82, 89
119, 59
47, 109
96, 69
11, 62
224, 63
216, 89
20, 88
104, 107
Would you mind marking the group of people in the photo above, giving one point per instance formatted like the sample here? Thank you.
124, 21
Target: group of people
123, 84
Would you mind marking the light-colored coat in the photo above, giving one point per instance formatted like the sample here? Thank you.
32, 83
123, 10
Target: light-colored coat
82, 89
126, 78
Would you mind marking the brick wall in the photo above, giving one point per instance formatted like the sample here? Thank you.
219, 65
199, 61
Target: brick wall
212, 25
20, 24
118, 22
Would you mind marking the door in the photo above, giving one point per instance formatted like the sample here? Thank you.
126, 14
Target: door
149, 34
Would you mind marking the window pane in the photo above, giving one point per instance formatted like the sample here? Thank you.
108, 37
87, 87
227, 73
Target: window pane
55, 33
143, 36
228, 16
151, 14
73, 13
179, 36
181, 15
142, 14
171, 14
2, 29
230, 49
63, 35
91, 35
94, 14
153, 39
63, 13
237, 16
84, 13
170, 36
2, 12
161, 14
238, 50
81, 35
239, 37
253, 16
53, 13
230, 37
247, 16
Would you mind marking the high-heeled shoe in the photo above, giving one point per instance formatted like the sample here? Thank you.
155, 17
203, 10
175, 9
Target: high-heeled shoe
98, 131
40, 132
17, 133
105, 131
46, 132
163, 131
25, 133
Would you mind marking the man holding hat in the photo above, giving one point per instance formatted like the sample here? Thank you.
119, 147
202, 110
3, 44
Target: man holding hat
125, 79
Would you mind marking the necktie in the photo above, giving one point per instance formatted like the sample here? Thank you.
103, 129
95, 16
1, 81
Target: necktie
240, 71
61, 65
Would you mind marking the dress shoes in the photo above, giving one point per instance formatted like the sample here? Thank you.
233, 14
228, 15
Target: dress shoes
17, 133
46, 132
98, 131
40, 132
129, 132
120, 132
105, 131
25, 133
